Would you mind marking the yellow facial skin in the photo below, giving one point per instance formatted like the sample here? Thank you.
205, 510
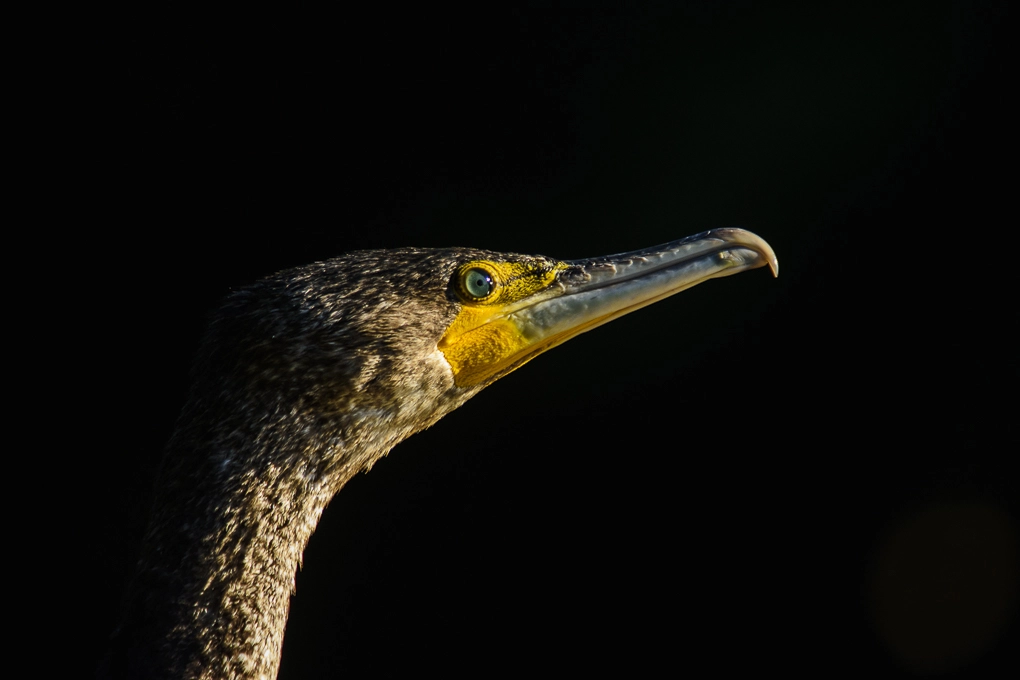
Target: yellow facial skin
482, 341
512, 311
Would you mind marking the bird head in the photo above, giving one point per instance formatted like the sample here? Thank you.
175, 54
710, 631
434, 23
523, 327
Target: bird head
365, 349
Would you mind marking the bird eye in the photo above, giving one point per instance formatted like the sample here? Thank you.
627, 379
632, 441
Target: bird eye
478, 283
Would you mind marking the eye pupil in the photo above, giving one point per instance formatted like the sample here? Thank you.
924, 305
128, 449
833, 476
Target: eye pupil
478, 283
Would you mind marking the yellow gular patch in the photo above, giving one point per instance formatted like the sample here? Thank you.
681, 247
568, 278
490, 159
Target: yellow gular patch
481, 341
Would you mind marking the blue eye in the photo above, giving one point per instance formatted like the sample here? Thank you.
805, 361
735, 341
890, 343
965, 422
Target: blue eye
478, 283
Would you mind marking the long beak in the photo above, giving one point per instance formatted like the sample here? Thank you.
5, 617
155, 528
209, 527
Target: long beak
490, 342
594, 292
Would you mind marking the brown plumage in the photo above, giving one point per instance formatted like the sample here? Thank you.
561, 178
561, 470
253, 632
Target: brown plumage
303, 380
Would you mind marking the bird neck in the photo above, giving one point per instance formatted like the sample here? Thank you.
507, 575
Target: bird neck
251, 467
212, 592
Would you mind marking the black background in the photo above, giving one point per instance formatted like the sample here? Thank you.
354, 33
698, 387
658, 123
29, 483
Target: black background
810, 474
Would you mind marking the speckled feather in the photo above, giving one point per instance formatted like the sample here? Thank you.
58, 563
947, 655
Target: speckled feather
304, 379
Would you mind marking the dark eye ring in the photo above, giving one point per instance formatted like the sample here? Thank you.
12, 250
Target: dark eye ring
477, 283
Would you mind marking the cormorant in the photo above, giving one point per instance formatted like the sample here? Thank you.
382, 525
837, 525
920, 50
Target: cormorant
308, 377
